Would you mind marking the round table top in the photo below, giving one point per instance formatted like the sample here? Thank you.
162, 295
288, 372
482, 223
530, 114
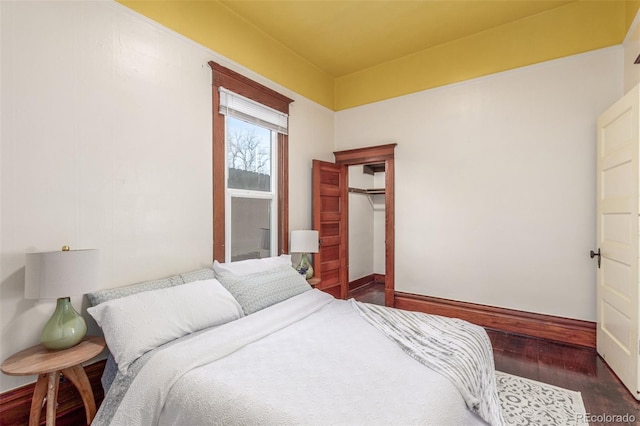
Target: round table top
40, 360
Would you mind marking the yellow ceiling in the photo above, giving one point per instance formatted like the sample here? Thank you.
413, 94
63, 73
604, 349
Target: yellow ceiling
344, 53
342, 37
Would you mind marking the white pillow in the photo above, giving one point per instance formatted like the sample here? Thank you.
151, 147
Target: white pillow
250, 266
136, 324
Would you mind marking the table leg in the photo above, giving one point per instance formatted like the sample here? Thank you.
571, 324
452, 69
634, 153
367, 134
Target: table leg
78, 377
52, 397
39, 393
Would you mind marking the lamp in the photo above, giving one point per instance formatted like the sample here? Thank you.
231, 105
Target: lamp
304, 242
59, 275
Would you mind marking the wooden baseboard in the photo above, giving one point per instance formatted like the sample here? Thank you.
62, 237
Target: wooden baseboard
361, 282
565, 330
366, 280
379, 278
16, 404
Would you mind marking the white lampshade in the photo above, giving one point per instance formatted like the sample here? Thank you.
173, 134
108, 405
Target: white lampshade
55, 274
304, 241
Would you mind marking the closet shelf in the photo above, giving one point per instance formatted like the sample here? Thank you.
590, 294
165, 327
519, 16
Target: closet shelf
376, 191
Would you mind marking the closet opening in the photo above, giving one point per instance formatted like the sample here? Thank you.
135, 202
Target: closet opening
367, 232
371, 190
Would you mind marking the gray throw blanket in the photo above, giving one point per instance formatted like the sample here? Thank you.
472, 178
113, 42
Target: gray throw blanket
455, 348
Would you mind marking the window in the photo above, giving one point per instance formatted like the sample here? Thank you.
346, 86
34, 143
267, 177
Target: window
250, 173
251, 192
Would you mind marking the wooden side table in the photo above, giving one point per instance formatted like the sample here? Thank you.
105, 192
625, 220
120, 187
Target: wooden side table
314, 281
48, 365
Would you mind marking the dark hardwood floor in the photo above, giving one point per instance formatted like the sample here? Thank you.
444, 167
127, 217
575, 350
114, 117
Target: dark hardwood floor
570, 367
370, 293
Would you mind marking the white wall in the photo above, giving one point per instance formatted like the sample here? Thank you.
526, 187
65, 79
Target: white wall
310, 137
106, 143
495, 183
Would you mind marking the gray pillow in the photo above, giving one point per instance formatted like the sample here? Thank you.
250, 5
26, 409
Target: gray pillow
101, 296
200, 274
262, 289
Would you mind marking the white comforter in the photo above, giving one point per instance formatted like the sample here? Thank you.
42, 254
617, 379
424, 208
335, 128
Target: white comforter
309, 360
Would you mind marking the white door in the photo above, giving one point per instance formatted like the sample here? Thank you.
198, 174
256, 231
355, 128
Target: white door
617, 228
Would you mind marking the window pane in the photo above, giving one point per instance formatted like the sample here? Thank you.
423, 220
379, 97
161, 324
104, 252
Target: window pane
250, 229
248, 155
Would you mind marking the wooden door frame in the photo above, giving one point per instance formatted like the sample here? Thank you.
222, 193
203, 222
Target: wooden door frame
379, 154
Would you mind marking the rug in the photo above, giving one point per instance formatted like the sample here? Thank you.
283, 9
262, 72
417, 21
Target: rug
526, 402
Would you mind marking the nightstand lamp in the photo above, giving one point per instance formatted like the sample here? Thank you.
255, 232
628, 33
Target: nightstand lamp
304, 242
59, 275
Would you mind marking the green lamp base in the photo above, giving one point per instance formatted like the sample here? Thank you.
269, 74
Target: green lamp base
65, 328
305, 265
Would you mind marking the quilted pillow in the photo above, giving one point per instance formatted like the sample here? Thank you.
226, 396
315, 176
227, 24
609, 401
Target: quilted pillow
262, 289
250, 266
199, 275
100, 296
136, 324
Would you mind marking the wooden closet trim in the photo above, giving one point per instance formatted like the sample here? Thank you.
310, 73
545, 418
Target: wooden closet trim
378, 154
373, 154
237, 83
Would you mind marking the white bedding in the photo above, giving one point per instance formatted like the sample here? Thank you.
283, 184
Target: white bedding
308, 360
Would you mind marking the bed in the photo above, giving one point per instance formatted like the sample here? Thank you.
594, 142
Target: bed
250, 343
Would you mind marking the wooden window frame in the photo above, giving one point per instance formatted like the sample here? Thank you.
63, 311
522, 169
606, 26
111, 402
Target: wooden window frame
255, 91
